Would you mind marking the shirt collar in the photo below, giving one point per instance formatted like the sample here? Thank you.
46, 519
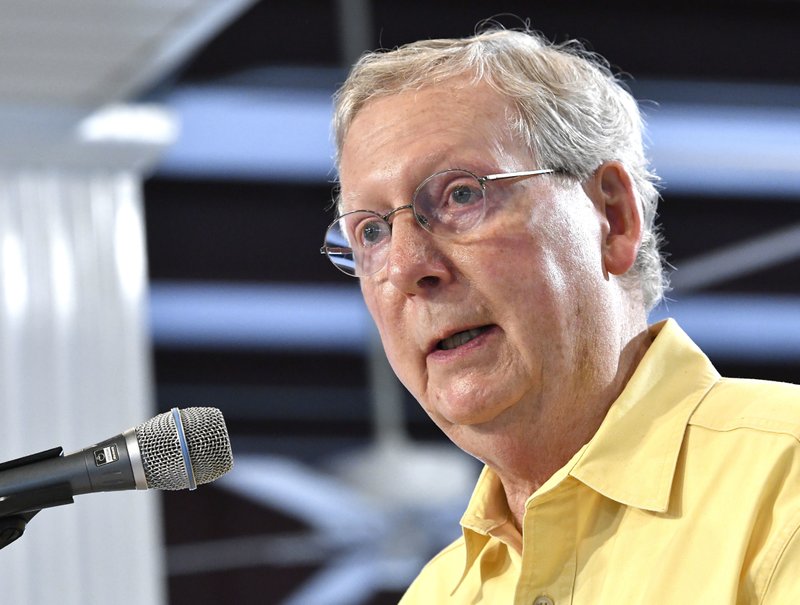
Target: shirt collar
486, 512
632, 457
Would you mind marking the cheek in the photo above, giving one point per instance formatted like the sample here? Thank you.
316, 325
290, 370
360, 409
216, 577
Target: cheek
570, 244
520, 272
399, 348
532, 283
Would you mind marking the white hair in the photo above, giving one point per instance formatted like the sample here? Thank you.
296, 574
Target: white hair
570, 109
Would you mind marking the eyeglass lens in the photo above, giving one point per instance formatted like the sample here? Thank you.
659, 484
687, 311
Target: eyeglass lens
446, 204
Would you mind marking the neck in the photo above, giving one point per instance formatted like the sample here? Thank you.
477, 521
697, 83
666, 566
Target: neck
528, 451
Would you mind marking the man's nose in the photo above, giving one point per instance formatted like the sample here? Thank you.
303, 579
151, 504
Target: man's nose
416, 262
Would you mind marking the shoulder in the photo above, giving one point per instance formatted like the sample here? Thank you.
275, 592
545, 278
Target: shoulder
452, 554
439, 576
743, 448
759, 405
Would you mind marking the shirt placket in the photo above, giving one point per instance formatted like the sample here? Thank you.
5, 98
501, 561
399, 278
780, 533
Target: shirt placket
549, 548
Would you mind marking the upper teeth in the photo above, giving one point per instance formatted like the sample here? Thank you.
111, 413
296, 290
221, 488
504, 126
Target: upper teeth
456, 340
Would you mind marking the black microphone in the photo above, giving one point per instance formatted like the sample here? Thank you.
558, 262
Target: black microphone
180, 449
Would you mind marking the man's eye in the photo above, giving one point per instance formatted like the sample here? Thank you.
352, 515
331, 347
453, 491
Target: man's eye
372, 233
462, 195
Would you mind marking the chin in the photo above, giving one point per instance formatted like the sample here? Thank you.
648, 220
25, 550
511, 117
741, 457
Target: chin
473, 410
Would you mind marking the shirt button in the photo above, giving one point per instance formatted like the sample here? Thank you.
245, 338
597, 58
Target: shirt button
543, 600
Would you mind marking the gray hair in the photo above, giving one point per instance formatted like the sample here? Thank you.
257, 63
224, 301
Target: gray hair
570, 109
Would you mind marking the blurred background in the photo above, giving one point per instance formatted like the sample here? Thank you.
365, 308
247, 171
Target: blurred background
165, 180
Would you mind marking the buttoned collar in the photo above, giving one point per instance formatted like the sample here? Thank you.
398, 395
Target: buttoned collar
633, 455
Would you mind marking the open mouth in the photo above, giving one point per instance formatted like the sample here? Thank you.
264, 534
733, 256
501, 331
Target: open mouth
460, 338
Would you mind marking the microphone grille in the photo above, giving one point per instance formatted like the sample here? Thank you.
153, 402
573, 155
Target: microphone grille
207, 439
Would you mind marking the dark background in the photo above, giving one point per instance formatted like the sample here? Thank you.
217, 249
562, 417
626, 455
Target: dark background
306, 405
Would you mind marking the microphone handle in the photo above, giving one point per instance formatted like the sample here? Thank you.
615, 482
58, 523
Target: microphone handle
51, 479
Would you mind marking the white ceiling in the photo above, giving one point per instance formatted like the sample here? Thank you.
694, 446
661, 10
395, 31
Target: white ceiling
63, 62
87, 53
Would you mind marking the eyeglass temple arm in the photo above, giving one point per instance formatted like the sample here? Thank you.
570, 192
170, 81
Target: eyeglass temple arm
514, 175
335, 251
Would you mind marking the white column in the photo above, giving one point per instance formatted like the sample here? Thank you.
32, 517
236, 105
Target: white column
75, 362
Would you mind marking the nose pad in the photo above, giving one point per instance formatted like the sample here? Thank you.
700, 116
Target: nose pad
422, 220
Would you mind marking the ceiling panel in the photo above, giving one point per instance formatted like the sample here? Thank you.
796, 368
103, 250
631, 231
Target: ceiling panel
92, 52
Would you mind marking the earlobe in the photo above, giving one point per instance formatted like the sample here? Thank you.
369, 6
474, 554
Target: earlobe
617, 202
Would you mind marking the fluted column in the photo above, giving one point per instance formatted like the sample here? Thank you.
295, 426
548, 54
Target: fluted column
75, 362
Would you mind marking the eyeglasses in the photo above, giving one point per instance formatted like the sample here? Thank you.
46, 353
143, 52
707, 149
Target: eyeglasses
447, 204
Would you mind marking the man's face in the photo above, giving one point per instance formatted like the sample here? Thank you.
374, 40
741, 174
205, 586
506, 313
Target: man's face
499, 327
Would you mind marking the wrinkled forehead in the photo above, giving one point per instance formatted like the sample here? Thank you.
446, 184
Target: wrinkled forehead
405, 137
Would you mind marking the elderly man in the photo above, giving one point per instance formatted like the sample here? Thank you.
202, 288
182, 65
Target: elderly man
498, 210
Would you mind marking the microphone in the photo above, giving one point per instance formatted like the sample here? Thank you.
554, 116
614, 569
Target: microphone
180, 449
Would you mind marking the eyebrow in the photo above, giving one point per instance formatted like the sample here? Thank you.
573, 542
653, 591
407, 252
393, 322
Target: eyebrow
431, 159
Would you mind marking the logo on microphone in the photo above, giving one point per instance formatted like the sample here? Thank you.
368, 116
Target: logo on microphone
106, 455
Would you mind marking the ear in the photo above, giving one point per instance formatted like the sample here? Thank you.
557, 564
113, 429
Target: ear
613, 195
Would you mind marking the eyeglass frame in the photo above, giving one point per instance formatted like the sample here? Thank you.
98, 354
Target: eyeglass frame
482, 180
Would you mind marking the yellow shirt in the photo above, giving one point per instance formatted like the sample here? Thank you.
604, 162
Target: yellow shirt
689, 493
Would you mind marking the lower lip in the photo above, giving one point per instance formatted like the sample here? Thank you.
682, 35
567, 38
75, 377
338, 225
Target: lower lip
479, 341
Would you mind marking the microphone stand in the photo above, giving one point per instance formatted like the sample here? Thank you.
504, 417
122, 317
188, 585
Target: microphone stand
16, 510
